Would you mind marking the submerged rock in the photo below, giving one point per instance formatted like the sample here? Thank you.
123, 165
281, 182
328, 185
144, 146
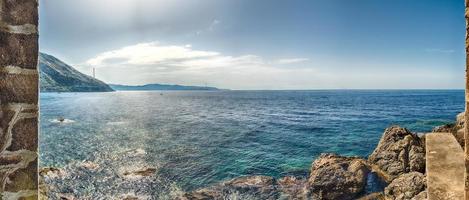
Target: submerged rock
406, 186
399, 151
51, 172
249, 187
140, 173
337, 177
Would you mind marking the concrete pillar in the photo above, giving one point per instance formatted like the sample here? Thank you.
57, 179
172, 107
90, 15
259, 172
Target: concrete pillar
466, 114
18, 99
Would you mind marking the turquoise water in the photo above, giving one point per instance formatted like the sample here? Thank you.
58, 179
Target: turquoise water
198, 138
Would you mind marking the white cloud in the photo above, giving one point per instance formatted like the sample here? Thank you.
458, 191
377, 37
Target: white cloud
148, 54
292, 60
182, 64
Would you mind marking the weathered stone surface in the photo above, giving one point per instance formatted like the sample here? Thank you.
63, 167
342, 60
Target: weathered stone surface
18, 12
406, 186
18, 50
337, 177
421, 196
25, 136
249, 187
399, 151
292, 188
373, 196
18, 99
23, 179
445, 167
21, 88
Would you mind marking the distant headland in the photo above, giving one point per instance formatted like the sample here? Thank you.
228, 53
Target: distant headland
157, 86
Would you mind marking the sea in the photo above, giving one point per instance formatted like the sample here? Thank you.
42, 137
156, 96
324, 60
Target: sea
194, 139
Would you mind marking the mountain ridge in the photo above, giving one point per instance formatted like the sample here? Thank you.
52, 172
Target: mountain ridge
158, 86
57, 76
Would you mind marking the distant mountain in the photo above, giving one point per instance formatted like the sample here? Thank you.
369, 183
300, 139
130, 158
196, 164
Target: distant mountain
159, 87
57, 76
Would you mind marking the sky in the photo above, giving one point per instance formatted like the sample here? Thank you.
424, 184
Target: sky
261, 44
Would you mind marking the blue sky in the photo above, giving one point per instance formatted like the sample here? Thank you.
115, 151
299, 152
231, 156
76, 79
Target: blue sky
261, 44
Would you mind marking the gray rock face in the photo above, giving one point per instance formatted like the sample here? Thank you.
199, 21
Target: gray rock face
406, 186
250, 187
337, 177
399, 151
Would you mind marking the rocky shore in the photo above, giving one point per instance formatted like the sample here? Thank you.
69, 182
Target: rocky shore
398, 159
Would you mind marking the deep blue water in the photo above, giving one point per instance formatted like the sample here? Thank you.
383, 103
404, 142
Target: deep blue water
197, 138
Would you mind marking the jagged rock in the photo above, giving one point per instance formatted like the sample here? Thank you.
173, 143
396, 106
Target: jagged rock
373, 196
421, 196
399, 151
337, 177
292, 188
447, 128
406, 186
249, 187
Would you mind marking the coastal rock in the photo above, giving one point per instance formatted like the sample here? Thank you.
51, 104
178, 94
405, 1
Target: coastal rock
337, 177
447, 128
51, 172
249, 187
460, 121
457, 129
399, 151
140, 173
421, 196
89, 165
373, 196
292, 188
406, 186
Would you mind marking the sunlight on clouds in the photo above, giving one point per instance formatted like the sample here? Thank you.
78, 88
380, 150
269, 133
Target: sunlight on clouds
148, 54
154, 62
292, 60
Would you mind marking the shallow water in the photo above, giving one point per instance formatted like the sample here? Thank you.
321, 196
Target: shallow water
198, 138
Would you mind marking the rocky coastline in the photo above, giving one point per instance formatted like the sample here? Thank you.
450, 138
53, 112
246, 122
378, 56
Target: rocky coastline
398, 159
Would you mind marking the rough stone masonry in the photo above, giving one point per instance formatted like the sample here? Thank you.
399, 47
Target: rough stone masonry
18, 99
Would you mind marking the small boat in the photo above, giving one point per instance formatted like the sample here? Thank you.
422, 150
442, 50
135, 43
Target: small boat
61, 119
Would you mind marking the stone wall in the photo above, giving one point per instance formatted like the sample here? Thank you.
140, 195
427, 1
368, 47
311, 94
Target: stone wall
18, 99
466, 114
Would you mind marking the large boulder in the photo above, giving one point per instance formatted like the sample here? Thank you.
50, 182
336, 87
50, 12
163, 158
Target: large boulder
337, 177
406, 186
248, 187
399, 151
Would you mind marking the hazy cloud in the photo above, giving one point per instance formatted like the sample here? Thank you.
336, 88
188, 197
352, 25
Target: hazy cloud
291, 60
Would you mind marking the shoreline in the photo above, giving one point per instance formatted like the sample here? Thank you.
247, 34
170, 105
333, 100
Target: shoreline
316, 184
